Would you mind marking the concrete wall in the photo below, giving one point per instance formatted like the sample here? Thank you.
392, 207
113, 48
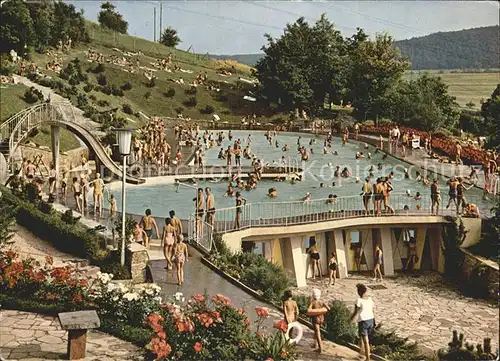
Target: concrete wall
490, 274
473, 228
68, 160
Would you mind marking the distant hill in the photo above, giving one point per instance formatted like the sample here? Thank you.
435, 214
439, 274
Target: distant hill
477, 48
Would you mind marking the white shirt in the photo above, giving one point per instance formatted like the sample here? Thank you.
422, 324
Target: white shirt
366, 307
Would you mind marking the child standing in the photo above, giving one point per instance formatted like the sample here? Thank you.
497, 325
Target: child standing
317, 320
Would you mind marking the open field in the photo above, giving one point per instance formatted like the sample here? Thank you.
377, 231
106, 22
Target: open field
466, 87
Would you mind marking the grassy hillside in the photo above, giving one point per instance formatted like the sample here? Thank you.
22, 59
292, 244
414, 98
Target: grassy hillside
227, 102
11, 101
466, 87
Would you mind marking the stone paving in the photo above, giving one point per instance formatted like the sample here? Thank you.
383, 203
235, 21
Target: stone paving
423, 308
26, 336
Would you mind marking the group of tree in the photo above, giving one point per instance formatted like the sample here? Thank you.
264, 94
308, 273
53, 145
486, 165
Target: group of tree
39, 24
490, 113
310, 65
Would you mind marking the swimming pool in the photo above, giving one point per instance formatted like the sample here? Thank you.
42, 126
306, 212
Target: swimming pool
318, 169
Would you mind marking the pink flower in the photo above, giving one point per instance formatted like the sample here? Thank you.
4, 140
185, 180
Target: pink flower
198, 347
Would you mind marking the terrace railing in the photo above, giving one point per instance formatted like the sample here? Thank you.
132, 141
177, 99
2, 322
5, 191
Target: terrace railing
273, 214
201, 233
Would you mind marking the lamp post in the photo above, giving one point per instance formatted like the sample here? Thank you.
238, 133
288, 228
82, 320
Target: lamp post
124, 138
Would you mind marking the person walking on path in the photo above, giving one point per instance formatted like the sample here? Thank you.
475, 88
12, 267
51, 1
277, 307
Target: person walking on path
180, 258
317, 320
378, 263
176, 222
147, 223
168, 241
290, 309
363, 313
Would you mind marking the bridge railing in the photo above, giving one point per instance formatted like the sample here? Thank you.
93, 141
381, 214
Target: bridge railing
201, 233
265, 214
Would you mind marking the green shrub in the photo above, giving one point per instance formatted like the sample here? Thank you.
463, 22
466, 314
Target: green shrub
393, 347
191, 90
127, 109
458, 349
126, 86
6, 66
147, 95
68, 217
179, 110
45, 207
99, 68
88, 87
338, 325
221, 97
33, 95
101, 80
302, 303
207, 110
103, 103
49, 83
191, 102
81, 101
169, 93
106, 90
116, 91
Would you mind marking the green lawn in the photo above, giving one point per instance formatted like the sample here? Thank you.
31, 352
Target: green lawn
466, 87
68, 140
11, 100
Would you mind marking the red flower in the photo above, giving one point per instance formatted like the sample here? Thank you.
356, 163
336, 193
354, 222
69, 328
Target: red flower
199, 298
205, 319
262, 312
281, 325
219, 298
180, 326
83, 283
269, 359
198, 347
160, 348
283, 354
162, 335
77, 298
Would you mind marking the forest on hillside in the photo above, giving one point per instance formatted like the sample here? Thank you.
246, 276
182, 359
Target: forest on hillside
477, 48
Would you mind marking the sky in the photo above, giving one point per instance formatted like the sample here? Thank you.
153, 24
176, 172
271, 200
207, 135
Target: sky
238, 27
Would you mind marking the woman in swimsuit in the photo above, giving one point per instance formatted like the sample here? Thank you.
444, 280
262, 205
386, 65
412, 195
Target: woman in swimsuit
98, 187
332, 265
180, 257
52, 179
378, 263
314, 254
167, 241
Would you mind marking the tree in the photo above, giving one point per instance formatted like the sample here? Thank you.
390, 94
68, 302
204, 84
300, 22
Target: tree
304, 66
490, 111
16, 27
375, 67
111, 19
423, 103
42, 14
169, 37
68, 24
7, 221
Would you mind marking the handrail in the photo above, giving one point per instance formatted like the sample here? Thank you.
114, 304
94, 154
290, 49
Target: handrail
264, 214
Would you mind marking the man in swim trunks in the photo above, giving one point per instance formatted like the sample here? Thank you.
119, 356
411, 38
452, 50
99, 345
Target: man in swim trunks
435, 196
200, 210
210, 217
452, 193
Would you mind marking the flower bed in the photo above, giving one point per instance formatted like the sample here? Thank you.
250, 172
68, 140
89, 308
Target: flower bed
440, 143
202, 328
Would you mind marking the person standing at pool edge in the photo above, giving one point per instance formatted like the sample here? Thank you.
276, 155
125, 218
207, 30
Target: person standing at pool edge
147, 223
365, 316
210, 217
200, 210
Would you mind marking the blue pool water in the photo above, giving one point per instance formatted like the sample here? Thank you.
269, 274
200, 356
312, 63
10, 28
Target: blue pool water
163, 198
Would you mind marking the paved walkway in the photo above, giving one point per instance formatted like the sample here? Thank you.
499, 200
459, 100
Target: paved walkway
26, 336
199, 278
423, 308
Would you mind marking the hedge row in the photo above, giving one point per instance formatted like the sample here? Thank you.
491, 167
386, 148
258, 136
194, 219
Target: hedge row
75, 239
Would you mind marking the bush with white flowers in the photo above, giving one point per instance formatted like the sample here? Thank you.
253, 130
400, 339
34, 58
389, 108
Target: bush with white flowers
124, 302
